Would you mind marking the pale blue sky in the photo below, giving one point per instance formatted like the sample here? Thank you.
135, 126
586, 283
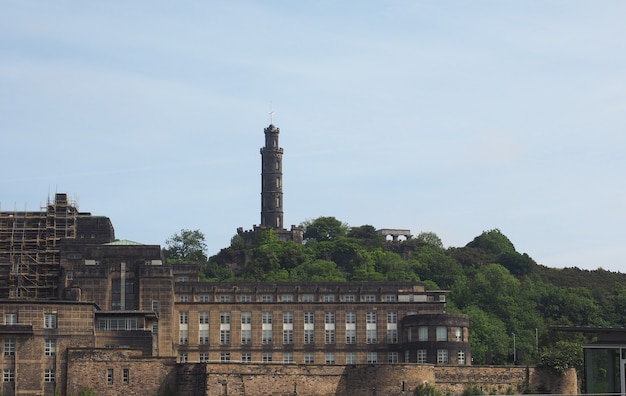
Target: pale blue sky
447, 116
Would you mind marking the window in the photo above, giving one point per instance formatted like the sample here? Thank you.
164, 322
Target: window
224, 298
184, 298
266, 298
329, 317
155, 305
184, 317
309, 357
391, 298
287, 357
369, 298
330, 358
49, 375
182, 279
422, 333
370, 336
286, 298
287, 317
350, 317
392, 336
246, 337
348, 298
458, 334
442, 333
442, 356
392, 317
407, 357
328, 298
350, 357
10, 319
287, 337
204, 357
329, 336
203, 317
246, 357
203, 336
245, 298
225, 357
266, 337
371, 317
309, 336
50, 321
8, 375
183, 357
460, 357
350, 336
204, 298
421, 356
183, 337
392, 357
267, 357
372, 357
155, 328
9, 347
309, 318
125, 375
308, 298
225, 317
50, 346
117, 324
246, 317
267, 317
224, 337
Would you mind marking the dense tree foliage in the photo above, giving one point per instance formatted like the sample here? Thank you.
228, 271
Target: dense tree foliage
507, 295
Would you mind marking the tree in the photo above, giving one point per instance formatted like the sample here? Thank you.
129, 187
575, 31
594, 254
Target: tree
430, 238
186, 246
324, 229
493, 241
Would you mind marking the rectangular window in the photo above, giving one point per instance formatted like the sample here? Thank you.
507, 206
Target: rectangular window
125, 375
287, 337
183, 337
155, 328
246, 357
246, 317
350, 357
442, 356
308, 298
9, 347
50, 346
329, 336
267, 357
50, 321
309, 318
267, 317
246, 337
309, 357
224, 337
10, 319
391, 298
348, 298
225, 317
370, 336
458, 334
392, 357
372, 357
330, 357
286, 298
288, 357
287, 317
392, 336
203, 336
328, 298
182, 279
371, 317
203, 317
184, 298
369, 298
442, 333
155, 305
392, 317
329, 317
183, 357
184, 317
224, 298
350, 336
266, 298
421, 356
422, 333
266, 337
350, 317
8, 375
309, 336
204, 357
460, 357
49, 375
245, 298
204, 298
224, 357
407, 356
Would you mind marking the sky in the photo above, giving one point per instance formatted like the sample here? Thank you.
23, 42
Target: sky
452, 117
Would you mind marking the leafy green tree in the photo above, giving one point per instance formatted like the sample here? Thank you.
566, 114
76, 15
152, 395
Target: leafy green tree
318, 271
186, 246
493, 241
324, 229
430, 238
516, 263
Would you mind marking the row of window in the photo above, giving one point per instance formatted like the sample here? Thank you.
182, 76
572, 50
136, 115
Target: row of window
225, 298
309, 357
8, 375
50, 346
111, 376
49, 320
441, 334
287, 317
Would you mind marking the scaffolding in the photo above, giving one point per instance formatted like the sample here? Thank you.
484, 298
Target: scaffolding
30, 248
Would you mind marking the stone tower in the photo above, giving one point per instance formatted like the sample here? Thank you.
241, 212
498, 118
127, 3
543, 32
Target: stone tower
272, 180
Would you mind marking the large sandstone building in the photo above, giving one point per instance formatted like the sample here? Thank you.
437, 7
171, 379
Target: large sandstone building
81, 308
